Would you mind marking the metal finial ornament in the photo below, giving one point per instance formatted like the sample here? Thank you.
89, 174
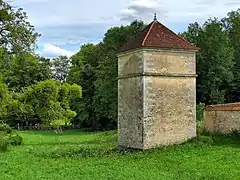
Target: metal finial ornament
155, 17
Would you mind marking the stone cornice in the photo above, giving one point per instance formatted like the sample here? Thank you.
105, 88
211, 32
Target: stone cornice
156, 75
156, 50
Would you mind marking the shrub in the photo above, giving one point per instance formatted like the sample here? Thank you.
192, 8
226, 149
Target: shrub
8, 137
5, 128
3, 143
15, 140
3, 99
50, 100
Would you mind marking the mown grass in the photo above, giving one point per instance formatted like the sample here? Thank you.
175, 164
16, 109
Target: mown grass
82, 155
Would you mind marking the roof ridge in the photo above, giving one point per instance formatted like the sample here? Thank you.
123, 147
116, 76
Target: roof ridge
149, 30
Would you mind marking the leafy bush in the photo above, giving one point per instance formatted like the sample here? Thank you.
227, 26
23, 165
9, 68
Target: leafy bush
5, 128
8, 137
3, 143
15, 140
3, 99
50, 101
47, 103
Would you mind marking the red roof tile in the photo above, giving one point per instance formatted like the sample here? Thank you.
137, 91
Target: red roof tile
158, 36
224, 107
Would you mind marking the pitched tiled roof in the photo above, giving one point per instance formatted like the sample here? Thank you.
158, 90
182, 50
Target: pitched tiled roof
224, 107
159, 36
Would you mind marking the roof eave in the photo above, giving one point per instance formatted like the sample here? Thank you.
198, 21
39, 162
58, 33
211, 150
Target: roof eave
157, 48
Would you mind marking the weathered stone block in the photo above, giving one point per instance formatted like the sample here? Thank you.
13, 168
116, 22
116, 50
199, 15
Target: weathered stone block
130, 125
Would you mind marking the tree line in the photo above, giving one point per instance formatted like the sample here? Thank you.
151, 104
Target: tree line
33, 89
82, 90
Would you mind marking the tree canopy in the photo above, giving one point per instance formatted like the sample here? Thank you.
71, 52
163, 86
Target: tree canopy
16, 33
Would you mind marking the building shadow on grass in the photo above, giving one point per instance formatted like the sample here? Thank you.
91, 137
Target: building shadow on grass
106, 147
99, 147
95, 141
83, 149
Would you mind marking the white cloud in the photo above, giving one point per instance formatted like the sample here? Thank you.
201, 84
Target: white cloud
45, 13
182, 11
50, 50
50, 13
68, 24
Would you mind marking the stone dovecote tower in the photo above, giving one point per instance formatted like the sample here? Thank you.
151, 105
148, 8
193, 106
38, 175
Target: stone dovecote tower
156, 89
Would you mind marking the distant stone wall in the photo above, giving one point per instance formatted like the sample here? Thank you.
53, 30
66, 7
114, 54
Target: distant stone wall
156, 98
223, 118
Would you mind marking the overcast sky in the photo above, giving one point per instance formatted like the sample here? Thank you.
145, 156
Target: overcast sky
67, 24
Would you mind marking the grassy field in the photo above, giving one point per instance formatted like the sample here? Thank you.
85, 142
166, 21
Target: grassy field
81, 155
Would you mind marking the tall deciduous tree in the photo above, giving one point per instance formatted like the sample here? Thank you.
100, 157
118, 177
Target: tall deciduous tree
50, 101
83, 72
61, 67
214, 61
26, 69
3, 99
16, 33
193, 33
18, 64
232, 26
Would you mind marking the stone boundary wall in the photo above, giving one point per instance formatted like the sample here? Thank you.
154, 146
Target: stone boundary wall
222, 118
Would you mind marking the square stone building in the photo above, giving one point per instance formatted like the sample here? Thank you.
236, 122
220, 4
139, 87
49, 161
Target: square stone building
156, 89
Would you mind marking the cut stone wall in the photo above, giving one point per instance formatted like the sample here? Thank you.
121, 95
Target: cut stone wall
169, 110
157, 98
169, 62
223, 118
130, 101
130, 112
130, 63
169, 97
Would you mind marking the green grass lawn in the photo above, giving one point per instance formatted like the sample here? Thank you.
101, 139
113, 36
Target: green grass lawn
81, 155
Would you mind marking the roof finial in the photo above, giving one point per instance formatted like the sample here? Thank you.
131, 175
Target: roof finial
155, 17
